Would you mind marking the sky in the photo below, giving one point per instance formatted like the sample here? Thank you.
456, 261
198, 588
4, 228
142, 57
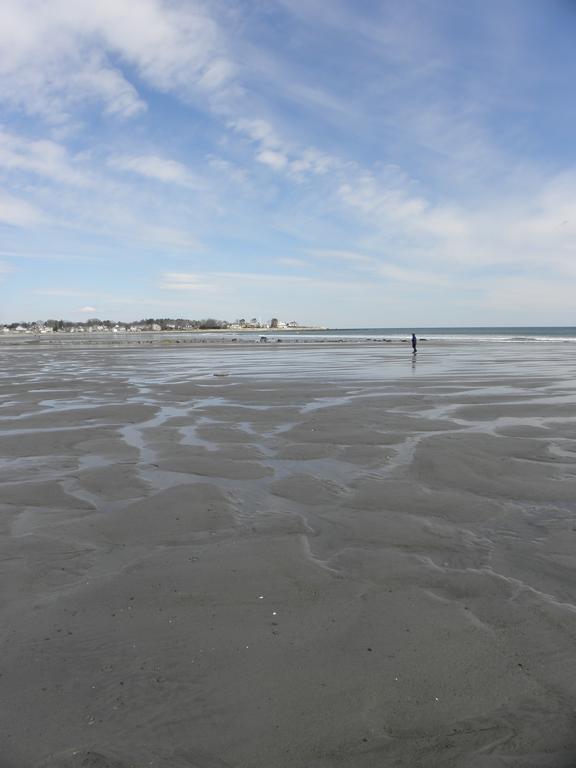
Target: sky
345, 163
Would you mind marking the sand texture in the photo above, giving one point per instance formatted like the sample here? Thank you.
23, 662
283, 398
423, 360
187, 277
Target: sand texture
288, 557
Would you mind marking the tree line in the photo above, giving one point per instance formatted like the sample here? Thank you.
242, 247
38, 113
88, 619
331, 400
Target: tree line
165, 324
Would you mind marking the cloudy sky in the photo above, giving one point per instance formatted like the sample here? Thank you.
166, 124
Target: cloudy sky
346, 163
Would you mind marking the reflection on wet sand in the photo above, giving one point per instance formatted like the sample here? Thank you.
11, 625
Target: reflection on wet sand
327, 557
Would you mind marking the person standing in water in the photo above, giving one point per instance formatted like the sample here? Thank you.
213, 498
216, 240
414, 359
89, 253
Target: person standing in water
414, 342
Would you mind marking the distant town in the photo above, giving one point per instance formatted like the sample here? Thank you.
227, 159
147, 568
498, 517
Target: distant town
95, 325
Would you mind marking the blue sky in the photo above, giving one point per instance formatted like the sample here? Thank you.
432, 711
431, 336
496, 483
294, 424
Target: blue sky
343, 163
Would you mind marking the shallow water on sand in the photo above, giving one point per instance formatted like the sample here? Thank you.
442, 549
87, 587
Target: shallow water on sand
275, 555
155, 365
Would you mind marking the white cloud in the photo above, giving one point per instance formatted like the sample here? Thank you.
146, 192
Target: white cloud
228, 169
87, 309
280, 155
169, 237
351, 257
154, 167
225, 281
287, 261
48, 63
216, 74
275, 160
131, 301
5, 269
381, 198
255, 277
543, 296
67, 292
183, 281
18, 213
532, 227
259, 131
55, 54
380, 269
396, 274
187, 281
43, 158
312, 161
97, 80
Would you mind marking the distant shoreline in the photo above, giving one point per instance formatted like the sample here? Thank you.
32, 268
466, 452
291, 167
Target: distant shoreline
301, 336
136, 332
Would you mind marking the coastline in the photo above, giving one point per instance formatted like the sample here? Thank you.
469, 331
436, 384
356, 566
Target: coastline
254, 554
302, 335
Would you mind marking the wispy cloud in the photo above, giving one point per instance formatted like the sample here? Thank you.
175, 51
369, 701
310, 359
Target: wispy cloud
63, 292
5, 269
380, 268
43, 158
153, 167
544, 296
274, 159
263, 278
288, 261
169, 237
402, 275
57, 55
350, 257
184, 281
19, 213
281, 155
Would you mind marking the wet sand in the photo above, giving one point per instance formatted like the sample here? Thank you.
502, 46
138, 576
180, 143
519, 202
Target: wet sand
262, 557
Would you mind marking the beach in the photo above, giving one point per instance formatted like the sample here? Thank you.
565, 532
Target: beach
288, 555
